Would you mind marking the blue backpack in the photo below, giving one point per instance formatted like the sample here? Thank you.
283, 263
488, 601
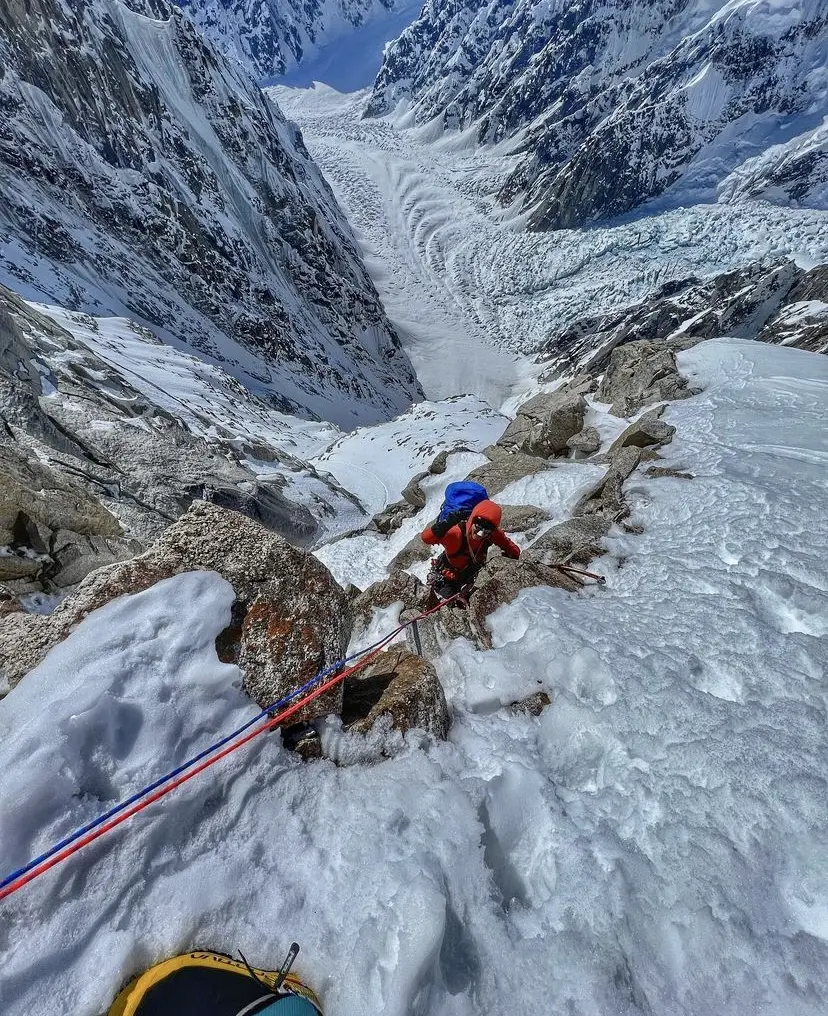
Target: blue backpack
462, 497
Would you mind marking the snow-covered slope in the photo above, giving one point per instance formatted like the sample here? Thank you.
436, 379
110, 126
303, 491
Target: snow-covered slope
654, 842
147, 428
271, 36
614, 102
145, 176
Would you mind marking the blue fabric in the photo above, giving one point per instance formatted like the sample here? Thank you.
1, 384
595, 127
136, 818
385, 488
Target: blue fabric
294, 1005
462, 497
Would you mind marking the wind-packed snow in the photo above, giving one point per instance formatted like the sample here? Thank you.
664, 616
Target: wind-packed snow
655, 842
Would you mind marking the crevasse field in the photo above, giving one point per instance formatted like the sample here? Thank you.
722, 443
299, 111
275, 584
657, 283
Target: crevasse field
657, 841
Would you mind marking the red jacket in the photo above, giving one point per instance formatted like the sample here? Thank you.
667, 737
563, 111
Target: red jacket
463, 549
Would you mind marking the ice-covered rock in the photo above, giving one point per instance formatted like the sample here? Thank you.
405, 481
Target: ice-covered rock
533, 704
502, 580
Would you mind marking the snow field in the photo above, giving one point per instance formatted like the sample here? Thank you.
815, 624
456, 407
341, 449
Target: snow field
377, 463
655, 841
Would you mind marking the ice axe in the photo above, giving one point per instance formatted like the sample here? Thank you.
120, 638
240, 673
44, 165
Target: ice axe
600, 579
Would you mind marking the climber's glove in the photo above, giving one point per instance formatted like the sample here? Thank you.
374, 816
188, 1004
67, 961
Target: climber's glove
441, 527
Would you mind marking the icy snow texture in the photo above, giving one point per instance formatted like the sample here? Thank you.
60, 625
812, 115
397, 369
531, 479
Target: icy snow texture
655, 841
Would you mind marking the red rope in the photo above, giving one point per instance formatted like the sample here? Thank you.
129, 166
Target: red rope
169, 787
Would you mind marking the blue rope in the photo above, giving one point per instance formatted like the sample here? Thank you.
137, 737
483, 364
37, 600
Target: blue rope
331, 669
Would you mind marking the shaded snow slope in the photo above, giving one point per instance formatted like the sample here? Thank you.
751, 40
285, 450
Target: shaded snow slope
145, 176
654, 842
617, 102
353, 63
147, 428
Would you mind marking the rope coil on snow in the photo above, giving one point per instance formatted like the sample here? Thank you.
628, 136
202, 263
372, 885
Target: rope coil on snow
166, 784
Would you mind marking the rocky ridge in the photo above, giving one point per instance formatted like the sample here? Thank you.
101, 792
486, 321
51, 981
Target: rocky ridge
145, 175
291, 618
611, 103
771, 301
542, 435
93, 468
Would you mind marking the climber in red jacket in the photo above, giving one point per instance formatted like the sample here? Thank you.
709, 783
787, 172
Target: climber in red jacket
465, 543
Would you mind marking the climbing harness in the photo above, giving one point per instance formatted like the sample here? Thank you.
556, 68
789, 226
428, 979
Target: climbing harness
192, 767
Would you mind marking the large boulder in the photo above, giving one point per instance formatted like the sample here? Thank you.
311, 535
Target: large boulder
20, 571
399, 685
577, 539
505, 467
290, 618
545, 423
640, 373
56, 530
647, 431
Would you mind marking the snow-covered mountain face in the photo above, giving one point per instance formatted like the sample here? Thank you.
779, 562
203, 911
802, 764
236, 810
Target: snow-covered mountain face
269, 36
619, 101
145, 176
